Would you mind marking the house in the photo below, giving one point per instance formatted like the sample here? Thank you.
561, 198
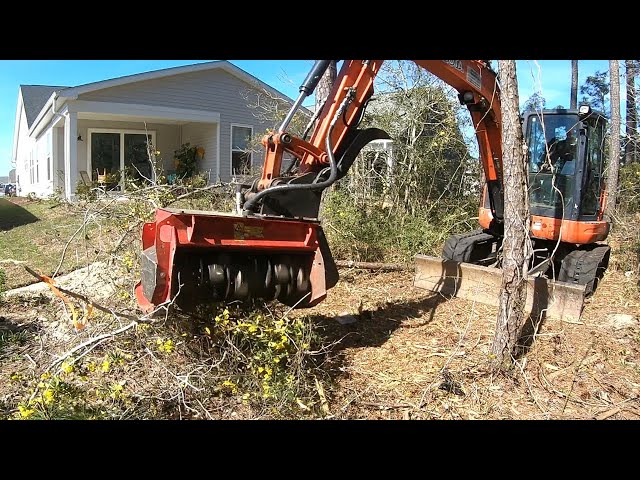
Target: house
68, 135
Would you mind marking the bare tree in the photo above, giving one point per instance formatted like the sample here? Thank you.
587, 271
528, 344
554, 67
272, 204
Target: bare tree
632, 113
614, 139
574, 84
325, 84
516, 244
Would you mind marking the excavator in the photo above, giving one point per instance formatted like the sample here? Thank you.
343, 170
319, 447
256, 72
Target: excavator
274, 247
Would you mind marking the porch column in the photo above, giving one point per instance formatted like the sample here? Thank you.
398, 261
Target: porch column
70, 155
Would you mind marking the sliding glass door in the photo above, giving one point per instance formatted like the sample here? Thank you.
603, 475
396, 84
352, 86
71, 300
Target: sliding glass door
114, 152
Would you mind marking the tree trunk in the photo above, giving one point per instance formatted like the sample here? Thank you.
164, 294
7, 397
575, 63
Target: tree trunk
574, 84
325, 84
614, 139
631, 151
516, 244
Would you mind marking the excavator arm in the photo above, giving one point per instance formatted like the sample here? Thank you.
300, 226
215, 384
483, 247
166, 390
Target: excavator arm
336, 133
275, 248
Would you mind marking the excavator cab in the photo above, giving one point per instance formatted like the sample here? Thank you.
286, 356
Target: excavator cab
565, 150
565, 161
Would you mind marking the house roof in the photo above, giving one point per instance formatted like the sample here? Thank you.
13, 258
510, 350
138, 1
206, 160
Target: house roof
41, 96
34, 97
73, 92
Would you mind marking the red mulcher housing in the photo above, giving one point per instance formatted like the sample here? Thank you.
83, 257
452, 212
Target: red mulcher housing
197, 256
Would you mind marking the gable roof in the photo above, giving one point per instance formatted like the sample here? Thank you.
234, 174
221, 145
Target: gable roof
34, 97
73, 92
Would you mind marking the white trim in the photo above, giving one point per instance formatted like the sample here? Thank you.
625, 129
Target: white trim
122, 132
148, 111
231, 145
70, 155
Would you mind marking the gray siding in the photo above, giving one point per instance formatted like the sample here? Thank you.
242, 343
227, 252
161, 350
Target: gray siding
203, 135
212, 90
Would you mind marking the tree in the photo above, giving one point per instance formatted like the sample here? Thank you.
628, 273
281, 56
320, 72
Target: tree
325, 84
430, 156
574, 84
595, 90
614, 139
516, 245
631, 148
534, 102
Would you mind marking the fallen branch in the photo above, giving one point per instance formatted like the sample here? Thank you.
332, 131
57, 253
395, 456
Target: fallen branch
49, 281
374, 265
89, 342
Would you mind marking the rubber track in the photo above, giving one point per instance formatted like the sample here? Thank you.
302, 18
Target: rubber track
460, 247
585, 267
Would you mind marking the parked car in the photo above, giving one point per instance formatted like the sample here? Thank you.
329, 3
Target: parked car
10, 190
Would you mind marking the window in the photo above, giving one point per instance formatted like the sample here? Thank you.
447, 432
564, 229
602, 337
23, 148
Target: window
595, 157
112, 152
552, 150
240, 153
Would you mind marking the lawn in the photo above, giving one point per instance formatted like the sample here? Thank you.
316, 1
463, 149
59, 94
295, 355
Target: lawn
35, 233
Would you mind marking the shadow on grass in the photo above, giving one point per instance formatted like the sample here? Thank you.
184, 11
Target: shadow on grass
12, 215
372, 328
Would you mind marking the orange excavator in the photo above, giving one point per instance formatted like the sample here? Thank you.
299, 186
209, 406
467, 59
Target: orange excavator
274, 247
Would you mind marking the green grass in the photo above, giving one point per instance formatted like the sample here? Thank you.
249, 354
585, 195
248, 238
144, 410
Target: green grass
36, 232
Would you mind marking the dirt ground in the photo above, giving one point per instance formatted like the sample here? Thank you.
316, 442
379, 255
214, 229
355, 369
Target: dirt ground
411, 354
399, 352
414, 355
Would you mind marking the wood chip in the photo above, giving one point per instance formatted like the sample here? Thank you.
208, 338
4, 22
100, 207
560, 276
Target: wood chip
608, 413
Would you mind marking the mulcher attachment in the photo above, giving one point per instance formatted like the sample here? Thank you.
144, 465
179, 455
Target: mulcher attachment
194, 257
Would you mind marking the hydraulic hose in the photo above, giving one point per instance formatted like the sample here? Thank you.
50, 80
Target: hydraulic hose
251, 204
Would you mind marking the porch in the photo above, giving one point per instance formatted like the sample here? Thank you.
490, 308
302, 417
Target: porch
98, 138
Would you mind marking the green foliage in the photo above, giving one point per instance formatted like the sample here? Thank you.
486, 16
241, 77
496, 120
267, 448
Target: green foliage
375, 233
629, 188
430, 154
265, 359
595, 90
534, 103
85, 192
186, 160
391, 206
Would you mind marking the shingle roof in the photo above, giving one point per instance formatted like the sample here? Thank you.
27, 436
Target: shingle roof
34, 98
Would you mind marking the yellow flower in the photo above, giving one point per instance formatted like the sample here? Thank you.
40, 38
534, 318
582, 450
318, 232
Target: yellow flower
106, 365
25, 412
48, 396
67, 368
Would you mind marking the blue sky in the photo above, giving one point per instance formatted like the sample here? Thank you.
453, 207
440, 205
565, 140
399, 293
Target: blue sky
551, 77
